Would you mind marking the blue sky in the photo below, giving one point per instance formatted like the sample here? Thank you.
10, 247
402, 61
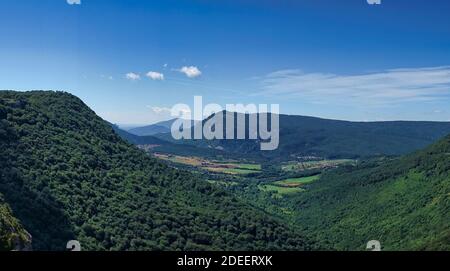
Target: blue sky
132, 60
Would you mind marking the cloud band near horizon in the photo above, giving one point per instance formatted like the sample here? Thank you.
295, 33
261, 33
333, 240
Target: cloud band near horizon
379, 88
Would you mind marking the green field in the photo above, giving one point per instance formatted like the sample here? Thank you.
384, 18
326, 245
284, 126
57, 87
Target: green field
225, 167
295, 182
235, 168
232, 171
255, 167
311, 165
280, 190
288, 186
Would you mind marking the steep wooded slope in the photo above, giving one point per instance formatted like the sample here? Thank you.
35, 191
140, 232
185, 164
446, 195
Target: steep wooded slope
67, 175
404, 203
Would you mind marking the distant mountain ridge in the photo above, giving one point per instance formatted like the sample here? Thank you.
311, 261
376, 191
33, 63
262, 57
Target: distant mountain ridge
310, 136
156, 144
153, 129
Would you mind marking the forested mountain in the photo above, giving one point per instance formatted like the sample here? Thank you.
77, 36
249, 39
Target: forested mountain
309, 136
152, 129
66, 175
138, 140
403, 203
157, 128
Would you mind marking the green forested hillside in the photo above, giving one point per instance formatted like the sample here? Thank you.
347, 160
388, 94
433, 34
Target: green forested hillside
66, 175
403, 203
12, 233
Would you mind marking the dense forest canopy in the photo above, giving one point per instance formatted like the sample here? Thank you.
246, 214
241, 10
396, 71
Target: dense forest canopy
66, 175
404, 203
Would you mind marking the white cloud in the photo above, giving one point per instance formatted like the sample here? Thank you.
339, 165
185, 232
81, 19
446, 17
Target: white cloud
381, 88
190, 71
133, 76
160, 110
166, 111
186, 113
74, 2
155, 76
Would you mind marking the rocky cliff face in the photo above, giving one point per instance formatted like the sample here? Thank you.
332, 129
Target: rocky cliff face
12, 235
